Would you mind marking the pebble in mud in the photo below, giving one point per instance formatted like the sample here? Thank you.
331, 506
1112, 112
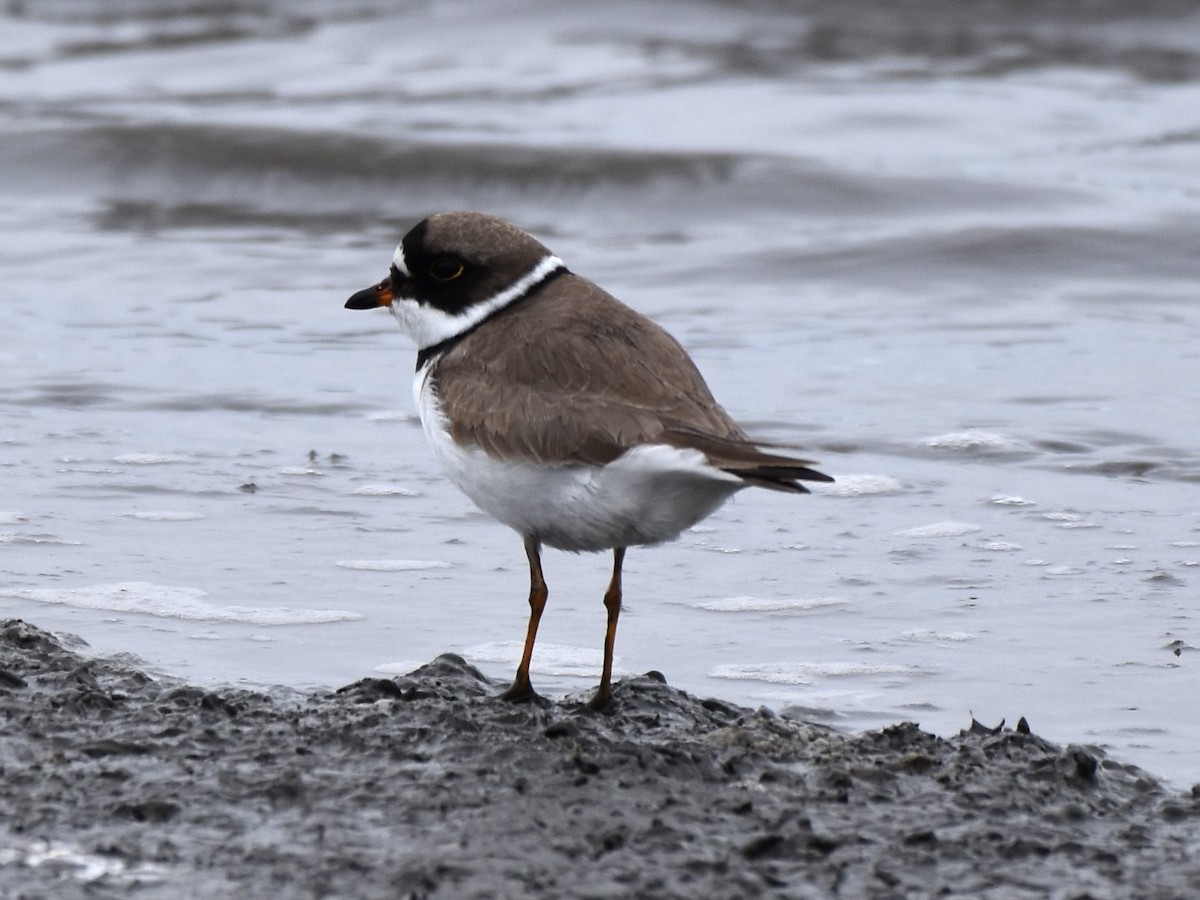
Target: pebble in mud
116, 784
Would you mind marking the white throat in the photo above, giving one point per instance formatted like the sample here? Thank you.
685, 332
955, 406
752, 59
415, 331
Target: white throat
429, 326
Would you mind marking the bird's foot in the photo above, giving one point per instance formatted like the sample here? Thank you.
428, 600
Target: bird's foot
602, 700
521, 692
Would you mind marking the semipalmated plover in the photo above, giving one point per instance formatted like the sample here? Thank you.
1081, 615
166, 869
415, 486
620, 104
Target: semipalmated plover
558, 410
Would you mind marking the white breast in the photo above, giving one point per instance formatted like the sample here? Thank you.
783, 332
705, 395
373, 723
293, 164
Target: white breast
646, 496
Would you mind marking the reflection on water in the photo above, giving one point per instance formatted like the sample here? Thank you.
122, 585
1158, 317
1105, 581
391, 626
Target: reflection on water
951, 254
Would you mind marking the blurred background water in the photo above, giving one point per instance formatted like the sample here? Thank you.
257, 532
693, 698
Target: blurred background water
951, 249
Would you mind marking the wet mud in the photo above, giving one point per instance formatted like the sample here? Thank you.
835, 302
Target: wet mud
118, 784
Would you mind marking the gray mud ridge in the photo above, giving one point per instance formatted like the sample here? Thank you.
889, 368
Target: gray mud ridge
116, 784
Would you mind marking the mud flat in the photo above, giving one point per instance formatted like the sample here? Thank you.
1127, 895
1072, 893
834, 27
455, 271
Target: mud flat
117, 784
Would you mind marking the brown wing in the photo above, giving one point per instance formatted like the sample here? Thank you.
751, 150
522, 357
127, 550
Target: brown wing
610, 379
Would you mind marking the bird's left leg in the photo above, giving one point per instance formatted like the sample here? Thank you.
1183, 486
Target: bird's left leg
612, 603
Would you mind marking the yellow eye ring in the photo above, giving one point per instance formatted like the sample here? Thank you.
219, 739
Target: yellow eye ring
447, 268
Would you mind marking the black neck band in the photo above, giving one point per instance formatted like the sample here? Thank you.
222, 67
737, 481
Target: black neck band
425, 354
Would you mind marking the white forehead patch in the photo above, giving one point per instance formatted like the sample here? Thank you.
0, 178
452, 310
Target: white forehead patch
398, 260
428, 326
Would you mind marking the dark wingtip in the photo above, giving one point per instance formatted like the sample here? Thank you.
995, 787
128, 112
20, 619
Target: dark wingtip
747, 460
779, 478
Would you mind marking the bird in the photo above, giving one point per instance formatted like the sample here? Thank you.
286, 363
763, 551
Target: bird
561, 412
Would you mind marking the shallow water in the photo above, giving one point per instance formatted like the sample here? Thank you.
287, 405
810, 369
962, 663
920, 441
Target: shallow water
955, 261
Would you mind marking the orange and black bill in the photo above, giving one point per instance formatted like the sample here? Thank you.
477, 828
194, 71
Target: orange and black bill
379, 295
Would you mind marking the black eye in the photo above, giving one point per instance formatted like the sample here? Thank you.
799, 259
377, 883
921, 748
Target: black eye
446, 268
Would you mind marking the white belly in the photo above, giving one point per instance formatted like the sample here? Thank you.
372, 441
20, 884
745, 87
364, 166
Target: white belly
647, 496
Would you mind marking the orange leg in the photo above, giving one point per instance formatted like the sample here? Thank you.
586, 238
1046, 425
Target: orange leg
522, 688
612, 603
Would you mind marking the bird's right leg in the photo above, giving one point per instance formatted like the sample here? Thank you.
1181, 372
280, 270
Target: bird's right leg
521, 688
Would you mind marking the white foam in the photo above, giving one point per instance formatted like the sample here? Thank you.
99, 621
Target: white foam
74, 862
940, 529
16, 537
147, 459
999, 546
548, 659
1064, 570
923, 635
767, 604
171, 602
858, 486
403, 667
384, 490
805, 673
393, 565
1069, 520
960, 441
162, 516
12, 518
1011, 501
